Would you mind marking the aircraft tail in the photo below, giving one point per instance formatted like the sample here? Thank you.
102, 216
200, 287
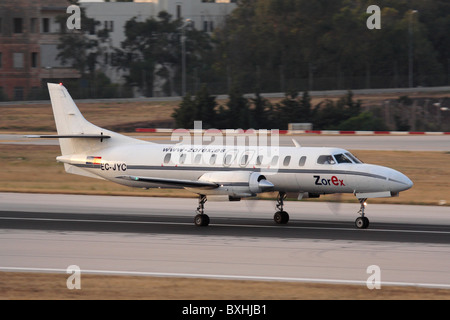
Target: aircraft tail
76, 134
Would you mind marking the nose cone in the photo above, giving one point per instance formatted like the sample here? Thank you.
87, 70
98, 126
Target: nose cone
399, 182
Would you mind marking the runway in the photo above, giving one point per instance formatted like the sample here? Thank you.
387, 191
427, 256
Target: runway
398, 143
156, 236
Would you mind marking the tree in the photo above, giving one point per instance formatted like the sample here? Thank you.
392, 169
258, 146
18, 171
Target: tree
260, 114
198, 108
77, 48
293, 109
328, 115
289, 109
328, 43
184, 115
205, 105
238, 113
363, 121
153, 48
305, 107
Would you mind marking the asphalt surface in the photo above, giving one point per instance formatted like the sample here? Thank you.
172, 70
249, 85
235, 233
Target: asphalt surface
156, 236
351, 142
222, 226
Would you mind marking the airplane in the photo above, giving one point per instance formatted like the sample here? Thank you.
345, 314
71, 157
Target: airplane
216, 171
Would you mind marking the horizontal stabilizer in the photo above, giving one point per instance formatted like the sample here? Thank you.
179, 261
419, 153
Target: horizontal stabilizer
173, 182
72, 136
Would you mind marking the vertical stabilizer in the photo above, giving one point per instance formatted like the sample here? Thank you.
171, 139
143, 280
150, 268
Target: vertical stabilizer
70, 121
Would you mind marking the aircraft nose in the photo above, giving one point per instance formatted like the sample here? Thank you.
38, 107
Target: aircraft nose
399, 182
408, 182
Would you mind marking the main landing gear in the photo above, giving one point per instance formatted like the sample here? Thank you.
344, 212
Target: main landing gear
281, 216
201, 219
362, 222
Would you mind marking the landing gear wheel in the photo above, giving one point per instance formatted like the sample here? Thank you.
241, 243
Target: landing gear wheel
201, 220
281, 217
362, 223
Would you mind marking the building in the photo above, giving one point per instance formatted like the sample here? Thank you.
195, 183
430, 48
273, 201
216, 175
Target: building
30, 32
113, 17
29, 35
203, 15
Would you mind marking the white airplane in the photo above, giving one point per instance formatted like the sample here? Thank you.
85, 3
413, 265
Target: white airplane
232, 172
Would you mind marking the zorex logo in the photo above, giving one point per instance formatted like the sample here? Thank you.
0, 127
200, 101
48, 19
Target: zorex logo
328, 182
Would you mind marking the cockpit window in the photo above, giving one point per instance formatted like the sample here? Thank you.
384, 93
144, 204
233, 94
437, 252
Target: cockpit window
355, 159
325, 159
342, 158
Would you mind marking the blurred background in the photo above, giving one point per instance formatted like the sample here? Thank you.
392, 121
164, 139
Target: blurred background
171, 48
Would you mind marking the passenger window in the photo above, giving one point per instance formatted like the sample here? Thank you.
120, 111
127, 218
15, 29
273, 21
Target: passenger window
182, 158
244, 160
325, 159
228, 159
342, 158
286, 161
167, 158
259, 160
274, 161
212, 160
198, 159
302, 161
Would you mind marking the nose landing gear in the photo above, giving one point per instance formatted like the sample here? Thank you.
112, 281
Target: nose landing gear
362, 222
281, 216
201, 219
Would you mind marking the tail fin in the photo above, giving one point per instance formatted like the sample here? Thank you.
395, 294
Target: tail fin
70, 123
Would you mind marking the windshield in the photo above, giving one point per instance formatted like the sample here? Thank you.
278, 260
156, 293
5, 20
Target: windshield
346, 158
338, 158
355, 159
342, 158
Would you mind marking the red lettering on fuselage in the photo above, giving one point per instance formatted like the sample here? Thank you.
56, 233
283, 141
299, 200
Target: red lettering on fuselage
328, 182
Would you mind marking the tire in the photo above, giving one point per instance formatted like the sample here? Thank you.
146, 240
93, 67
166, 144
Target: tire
362, 223
281, 217
366, 223
201, 220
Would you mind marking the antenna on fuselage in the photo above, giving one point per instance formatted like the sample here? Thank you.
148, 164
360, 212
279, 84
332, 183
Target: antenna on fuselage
296, 143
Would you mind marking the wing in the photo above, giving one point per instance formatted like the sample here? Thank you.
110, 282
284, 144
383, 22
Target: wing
173, 182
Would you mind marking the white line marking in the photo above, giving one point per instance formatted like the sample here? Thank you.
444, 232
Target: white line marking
228, 277
226, 225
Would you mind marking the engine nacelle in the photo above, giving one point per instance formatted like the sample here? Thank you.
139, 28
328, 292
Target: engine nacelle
237, 184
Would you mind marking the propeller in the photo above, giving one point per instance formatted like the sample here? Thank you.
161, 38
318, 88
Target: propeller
250, 204
334, 203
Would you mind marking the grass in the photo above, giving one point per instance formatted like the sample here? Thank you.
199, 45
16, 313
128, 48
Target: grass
41, 286
39, 117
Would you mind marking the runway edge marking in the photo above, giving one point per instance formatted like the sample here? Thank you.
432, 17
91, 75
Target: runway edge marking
227, 277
